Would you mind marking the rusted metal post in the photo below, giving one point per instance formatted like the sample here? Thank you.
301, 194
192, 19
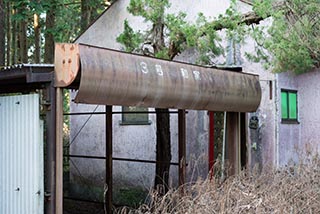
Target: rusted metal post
50, 105
224, 146
233, 144
182, 146
59, 151
211, 143
108, 185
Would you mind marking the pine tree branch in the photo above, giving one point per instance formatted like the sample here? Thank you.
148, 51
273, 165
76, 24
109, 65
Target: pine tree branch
248, 18
250, 2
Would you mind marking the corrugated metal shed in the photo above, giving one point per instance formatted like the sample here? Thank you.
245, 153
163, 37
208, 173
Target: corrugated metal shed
21, 155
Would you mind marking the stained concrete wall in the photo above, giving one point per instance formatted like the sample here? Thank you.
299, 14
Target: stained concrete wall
261, 142
139, 141
297, 141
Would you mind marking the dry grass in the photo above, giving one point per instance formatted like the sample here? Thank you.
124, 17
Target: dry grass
294, 189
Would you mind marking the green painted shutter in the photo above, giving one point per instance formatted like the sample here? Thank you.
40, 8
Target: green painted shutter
284, 105
292, 105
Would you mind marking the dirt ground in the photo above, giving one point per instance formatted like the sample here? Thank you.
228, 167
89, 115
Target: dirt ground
81, 207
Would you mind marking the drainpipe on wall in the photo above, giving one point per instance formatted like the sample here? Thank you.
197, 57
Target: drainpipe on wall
277, 122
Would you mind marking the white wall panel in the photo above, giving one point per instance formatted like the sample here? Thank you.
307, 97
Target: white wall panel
21, 155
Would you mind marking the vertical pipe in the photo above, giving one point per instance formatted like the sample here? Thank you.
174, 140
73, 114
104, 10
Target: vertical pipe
223, 144
182, 146
59, 151
50, 96
211, 143
108, 184
277, 121
239, 143
270, 90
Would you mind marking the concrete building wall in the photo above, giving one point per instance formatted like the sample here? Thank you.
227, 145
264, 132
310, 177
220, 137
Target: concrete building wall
261, 142
298, 140
289, 134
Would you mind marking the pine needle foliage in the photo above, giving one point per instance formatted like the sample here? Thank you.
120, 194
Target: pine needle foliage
293, 39
169, 34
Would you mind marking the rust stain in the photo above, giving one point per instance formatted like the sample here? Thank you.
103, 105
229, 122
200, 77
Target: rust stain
111, 77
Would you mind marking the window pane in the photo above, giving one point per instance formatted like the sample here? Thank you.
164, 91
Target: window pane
292, 105
135, 118
284, 105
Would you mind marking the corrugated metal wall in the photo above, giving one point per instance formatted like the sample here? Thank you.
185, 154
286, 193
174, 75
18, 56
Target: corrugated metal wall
21, 155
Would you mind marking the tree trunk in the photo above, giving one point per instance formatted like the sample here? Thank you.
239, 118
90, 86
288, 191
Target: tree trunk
49, 38
14, 40
23, 42
22, 51
36, 27
163, 147
8, 33
163, 151
2, 33
85, 14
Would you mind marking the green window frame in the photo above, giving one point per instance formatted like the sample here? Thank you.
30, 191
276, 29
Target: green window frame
289, 106
132, 118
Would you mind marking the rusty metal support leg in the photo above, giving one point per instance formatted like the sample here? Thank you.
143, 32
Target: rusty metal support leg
182, 146
50, 100
108, 185
233, 142
59, 151
211, 143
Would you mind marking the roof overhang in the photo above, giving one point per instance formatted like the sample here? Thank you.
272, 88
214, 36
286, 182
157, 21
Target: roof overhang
25, 77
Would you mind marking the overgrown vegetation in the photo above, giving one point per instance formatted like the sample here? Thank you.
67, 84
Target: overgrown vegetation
292, 189
130, 196
289, 43
293, 39
169, 34
29, 29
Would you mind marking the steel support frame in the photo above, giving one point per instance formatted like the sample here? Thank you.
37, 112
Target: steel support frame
182, 146
119, 159
50, 162
233, 138
59, 152
211, 144
108, 184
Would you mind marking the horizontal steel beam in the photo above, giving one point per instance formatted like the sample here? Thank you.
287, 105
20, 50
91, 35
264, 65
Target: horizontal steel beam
110, 77
116, 112
117, 159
